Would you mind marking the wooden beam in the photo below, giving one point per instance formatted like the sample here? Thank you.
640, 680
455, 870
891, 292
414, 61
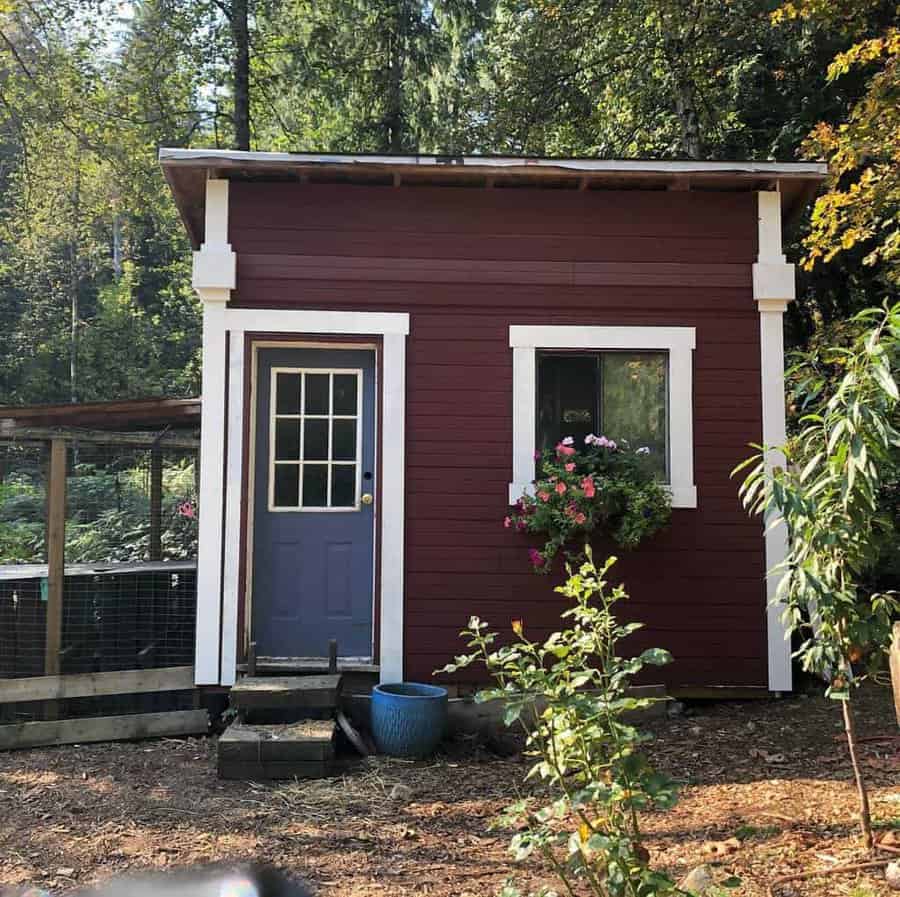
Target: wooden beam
10, 431
104, 728
91, 685
156, 489
56, 554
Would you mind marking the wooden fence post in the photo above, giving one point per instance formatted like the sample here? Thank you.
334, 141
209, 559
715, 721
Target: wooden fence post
56, 561
156, 484
895, 669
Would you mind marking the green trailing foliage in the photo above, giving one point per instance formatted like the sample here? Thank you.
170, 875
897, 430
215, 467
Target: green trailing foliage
571, 694
604, 489
835, 493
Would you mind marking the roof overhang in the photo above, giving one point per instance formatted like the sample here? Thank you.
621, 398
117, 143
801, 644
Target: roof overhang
186, 170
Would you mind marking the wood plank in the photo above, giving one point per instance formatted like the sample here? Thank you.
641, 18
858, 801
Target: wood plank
104, 728
156, 490
56, 558
307, 740
89, 685
12, 431
286, 692
255, 770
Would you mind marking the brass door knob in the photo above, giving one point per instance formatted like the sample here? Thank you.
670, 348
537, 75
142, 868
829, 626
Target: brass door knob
366, 498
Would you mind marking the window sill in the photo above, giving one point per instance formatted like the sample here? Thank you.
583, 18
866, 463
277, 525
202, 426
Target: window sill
682, 496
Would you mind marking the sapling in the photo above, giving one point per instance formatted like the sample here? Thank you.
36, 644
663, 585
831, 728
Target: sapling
571, 694
829, 493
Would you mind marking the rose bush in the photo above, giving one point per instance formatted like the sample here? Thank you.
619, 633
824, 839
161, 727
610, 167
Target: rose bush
603, 488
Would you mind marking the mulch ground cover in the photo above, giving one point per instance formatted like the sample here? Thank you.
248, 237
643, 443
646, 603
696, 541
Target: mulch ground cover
766, 792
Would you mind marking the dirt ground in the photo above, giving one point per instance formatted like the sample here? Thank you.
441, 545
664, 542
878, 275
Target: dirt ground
773, 775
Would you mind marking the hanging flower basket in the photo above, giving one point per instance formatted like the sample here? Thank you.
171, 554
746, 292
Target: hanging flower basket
604, 488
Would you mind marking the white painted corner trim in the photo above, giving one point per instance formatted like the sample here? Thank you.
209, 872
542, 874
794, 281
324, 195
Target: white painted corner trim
222, 477
773, 288
679, 342
215, 264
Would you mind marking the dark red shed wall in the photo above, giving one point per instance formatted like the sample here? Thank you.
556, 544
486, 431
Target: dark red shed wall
467, 263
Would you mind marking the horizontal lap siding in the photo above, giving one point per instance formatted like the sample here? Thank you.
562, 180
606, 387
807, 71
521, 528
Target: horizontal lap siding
467, 263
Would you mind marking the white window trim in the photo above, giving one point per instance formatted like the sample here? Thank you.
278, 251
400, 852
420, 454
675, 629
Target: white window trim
679, 342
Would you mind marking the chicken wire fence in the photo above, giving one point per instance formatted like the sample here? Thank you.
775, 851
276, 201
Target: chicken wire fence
109, 504
121, 608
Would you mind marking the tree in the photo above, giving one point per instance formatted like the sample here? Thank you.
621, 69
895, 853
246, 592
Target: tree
834, 498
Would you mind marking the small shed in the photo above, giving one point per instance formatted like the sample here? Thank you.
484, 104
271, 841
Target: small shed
375, 330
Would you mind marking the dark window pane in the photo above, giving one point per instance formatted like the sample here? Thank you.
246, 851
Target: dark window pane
315, 440
316, 401
287, 393
343, 485
634, 403
343, 440
315, 485
287, 440
287, 485
568, 398
345, 393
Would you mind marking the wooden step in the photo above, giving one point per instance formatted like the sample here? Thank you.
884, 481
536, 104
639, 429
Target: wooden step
285, 692
303, 750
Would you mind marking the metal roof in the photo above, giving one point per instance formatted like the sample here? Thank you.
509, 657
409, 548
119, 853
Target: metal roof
187, 170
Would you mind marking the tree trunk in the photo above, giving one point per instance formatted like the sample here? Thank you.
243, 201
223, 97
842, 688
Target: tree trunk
686, 108
73, 284
865, 816
240, 33
394, 113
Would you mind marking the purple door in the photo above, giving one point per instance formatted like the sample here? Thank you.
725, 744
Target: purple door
314, 512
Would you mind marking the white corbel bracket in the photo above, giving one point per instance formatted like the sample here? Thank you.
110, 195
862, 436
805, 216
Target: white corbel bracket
774, 282
215, 264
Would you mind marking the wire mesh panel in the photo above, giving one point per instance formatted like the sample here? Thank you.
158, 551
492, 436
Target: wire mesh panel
113, 512
127, 617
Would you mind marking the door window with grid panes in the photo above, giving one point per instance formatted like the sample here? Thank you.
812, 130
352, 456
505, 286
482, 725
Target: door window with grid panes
315, 439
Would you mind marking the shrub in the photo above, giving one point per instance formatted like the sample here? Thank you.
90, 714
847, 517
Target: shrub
571, 692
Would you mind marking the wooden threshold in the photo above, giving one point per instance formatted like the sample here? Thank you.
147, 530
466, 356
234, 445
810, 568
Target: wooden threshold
309, 665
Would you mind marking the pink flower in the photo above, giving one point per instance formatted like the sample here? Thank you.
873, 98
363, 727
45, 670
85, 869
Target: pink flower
521, 526
564, 450
580, 518
537, 456
507, 522
587, 484
570, 467
543, 496
568, 441
560, 488
186, 509
536, 558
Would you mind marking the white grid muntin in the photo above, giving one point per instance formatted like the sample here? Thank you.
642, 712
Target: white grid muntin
329, 463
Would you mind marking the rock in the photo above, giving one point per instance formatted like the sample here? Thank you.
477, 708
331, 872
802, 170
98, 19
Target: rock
698, 881
721, 848
892, 875
65, 872
402, 793
675, 708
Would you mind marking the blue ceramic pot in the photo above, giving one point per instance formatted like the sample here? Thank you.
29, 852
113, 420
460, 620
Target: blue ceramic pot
408, 719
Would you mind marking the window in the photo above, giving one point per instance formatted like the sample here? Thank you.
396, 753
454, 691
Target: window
625, 383
315, 439
621, 395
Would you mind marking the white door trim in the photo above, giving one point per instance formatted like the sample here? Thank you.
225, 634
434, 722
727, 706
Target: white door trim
220, 548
